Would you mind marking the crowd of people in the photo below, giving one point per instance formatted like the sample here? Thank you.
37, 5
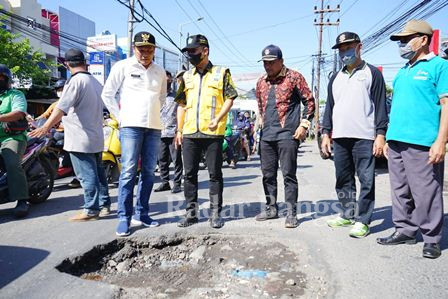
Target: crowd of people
159, 126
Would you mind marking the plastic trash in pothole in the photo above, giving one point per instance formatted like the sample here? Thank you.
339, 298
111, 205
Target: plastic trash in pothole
183, 266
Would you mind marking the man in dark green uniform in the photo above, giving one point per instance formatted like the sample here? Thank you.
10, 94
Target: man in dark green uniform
13, 146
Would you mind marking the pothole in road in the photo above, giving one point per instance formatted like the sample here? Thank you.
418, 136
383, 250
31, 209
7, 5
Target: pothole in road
177, 266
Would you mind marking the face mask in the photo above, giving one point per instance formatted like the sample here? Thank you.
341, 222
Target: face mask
59, 94
348, 57
406, 51
3, 85
195, 59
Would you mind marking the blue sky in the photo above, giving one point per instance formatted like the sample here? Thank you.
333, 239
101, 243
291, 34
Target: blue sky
250, 25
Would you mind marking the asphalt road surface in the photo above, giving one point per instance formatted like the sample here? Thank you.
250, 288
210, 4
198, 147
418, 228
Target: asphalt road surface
336, 265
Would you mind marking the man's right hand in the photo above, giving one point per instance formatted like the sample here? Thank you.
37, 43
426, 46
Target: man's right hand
178, 140
326, 145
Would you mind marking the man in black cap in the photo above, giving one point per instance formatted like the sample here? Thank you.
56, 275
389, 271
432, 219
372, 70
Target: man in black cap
356, 116
279, 93
141, 88
205, 95
82, 106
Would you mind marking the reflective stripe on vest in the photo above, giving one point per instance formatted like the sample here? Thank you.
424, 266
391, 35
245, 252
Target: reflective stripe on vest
205, 99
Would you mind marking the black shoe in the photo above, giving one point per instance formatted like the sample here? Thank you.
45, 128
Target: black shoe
431, 250
395, 239
216, 221
291, 222
74, 183
163, 187
176, 189
187, 221
270, 212
21, 209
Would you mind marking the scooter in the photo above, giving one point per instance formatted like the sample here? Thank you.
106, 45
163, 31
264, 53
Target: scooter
38, 170
112, 150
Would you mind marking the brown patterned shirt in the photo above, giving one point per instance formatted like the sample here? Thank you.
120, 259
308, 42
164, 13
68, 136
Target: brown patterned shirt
279, 104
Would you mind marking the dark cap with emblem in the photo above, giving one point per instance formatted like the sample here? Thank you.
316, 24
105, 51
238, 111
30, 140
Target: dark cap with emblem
271, 53
345, 38
74, 55
144, 38
196, 41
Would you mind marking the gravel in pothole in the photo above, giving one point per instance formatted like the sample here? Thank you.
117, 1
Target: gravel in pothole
179, 266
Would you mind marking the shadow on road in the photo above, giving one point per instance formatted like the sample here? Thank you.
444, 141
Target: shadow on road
16, 261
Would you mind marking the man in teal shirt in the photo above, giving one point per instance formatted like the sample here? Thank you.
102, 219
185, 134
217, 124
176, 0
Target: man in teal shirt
13, 146
416, 140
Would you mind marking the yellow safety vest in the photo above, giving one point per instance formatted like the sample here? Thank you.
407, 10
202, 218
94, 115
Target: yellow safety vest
205, 98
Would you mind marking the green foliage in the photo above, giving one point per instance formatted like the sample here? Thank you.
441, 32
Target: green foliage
21, 58
389, 89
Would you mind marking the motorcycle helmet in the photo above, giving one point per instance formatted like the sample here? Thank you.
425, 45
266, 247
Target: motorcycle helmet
5, 71
59, 84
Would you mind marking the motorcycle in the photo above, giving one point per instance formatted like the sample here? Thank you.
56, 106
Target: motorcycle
38, 170
112, 150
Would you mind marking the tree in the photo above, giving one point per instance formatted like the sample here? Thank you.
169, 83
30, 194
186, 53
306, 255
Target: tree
22, 59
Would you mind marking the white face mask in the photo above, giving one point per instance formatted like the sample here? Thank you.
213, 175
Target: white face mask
406, 51
59, 94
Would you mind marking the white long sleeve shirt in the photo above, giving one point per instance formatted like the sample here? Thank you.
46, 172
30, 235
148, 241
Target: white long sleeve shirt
135, 94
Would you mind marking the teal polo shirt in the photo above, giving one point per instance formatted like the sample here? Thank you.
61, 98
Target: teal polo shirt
415, 113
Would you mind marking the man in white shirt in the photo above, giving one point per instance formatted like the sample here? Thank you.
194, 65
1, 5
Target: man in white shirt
141, 88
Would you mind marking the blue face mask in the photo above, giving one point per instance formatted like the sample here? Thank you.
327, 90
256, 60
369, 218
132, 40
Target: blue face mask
348, 57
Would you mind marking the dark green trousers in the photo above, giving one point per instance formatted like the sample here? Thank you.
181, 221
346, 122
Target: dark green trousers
12, 152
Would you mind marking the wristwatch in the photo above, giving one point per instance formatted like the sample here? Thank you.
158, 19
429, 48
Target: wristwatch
305, 124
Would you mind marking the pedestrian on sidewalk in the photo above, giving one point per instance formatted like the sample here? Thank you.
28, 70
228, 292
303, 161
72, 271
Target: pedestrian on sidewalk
141, 87
205, 96
416, 141
168, 151
356, 116
279, 93
82, 106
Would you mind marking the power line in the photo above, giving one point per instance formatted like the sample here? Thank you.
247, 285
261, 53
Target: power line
235, 54
350, 7
191, 19
223, 34
422, 10
270, 26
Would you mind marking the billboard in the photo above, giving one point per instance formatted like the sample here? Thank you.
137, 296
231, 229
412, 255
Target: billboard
97, 71
96, 58
106, 43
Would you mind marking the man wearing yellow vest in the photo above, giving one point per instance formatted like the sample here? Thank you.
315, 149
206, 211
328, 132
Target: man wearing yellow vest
205, 96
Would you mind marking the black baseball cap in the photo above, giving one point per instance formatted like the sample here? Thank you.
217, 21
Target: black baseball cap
346, 37
75, 55
271, 53
196, 41
144, 38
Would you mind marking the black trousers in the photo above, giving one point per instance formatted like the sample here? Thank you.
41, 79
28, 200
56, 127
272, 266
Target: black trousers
271, 153
192, 150
168, 153
354, 156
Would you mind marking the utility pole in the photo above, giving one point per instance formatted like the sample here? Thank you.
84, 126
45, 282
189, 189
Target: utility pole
321, 25
130, 26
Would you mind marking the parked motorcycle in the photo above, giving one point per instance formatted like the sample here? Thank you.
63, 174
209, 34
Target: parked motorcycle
38, 170
112, 150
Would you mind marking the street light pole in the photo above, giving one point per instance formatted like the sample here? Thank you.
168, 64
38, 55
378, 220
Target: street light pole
180, 39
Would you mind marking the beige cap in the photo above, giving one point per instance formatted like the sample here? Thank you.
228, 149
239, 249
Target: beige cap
413, 27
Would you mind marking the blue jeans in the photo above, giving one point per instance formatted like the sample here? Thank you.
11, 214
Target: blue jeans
90, 172
137, 143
